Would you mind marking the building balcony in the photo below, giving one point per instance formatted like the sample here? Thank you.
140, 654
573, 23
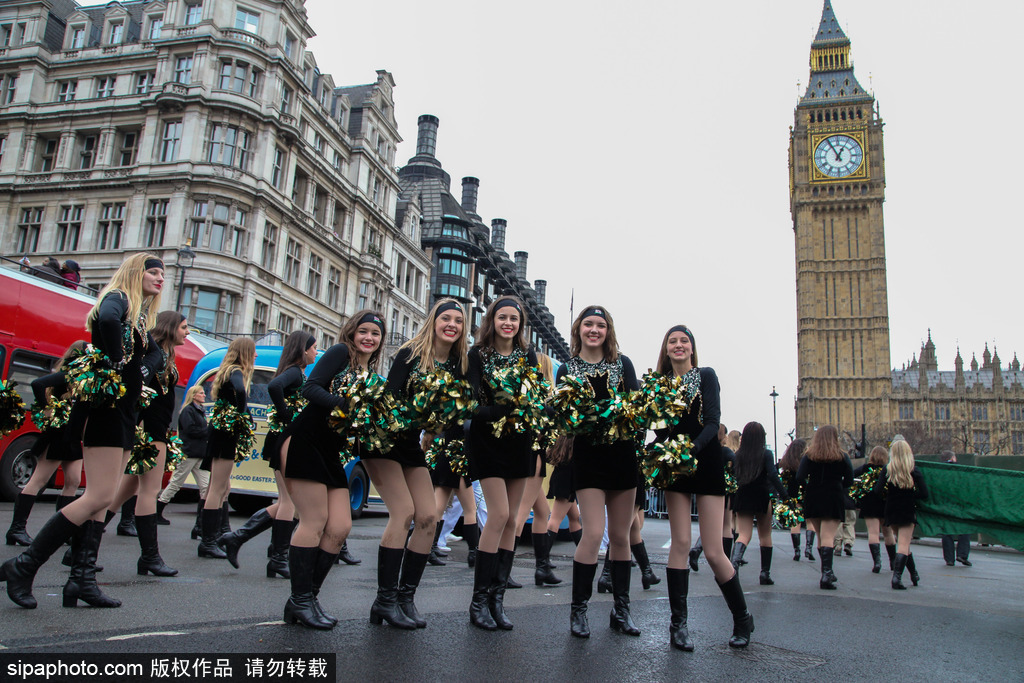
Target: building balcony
243, 37
174, 96
289, 133
395, 339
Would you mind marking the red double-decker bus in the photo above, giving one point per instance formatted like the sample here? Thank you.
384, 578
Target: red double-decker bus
38, 321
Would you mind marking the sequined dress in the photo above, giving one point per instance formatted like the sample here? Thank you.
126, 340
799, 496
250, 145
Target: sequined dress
507, 457
701, 425
614, 466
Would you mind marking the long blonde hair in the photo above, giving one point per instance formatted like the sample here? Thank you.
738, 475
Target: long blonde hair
190, 395
422, 345
901, 464
128, 281
241, 355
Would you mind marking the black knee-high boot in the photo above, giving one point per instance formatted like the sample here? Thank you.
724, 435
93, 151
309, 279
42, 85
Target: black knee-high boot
796, 547
727, 546
808, 553
542, 575
899, 563
225, 518
17, 535
915, 578
299, 608
435, 556
876, 557
346, 555
211, 530
890, 550
766, 567
738, 549
502, 569
385, 606
828, 578
604, 582
20, 571
81, 583
576, 536
695, 552
413, 565
232, 542
483, 576
150, 560
742, 621
471, 532
126, 525
322, 564
197, 529
582, 589
647, 576
678, 590
620, 619
280, 539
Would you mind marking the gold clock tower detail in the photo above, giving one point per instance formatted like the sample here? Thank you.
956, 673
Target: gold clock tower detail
837, 186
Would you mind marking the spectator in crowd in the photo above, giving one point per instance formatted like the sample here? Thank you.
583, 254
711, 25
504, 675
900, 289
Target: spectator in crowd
50, 270
70, 272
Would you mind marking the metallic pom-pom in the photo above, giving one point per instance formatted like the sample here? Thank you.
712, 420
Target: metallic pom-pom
12, 408
524, 390
174, 453
731, 485
93, 379
144, 453
452, 450
663, 400
437, 401
53, 414
294, 403
667, 461
368, 413
789, 513
863, 484
226, 417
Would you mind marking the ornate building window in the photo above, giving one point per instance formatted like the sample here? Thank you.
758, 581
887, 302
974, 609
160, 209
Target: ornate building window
171, 139
979, 411
9, 89
333, 287
268, 255
260, 315
105, 86
941, 411
1017, 443
292, 263
314, 276
109, 227
28, 230
247, 21
240, 77
1016, 412
209, 309
906, 410
69, 228
230, 146
66, 91
981, 443
183, 69
144, 81
156, 222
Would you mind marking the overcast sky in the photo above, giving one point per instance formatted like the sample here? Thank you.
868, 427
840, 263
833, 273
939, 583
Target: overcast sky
639, 153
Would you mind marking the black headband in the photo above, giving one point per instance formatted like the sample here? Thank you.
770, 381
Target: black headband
447, 306
372, 318
599, 312
153, 263
310, 342
510, 303
685, 330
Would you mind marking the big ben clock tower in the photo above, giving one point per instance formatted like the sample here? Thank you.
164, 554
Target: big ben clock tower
837, 186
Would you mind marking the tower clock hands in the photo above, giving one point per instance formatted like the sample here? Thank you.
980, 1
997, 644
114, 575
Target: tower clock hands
839, 155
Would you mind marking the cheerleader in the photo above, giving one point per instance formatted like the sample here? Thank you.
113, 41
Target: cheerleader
401, 476
825, 472
170, 331
902, 485
447, 484
604, 474
788, 466
755, 474
561, 491
500, 464
51, 450
229, 388
313, 458
678, 358
119, 323
872, 509
284, 389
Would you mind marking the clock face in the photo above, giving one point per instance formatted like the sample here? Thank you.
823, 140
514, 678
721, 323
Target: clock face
838, 156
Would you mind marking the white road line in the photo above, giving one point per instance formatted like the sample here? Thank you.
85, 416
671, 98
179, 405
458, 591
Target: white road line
129, 636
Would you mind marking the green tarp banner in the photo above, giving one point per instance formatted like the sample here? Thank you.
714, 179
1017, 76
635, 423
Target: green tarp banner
968, 500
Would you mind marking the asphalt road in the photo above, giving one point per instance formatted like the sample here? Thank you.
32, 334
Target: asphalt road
963, 624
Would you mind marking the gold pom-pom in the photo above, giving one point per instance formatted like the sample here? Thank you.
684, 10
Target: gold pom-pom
12, 408
666, 461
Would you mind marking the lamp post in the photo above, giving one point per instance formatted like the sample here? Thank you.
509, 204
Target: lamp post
186, 258
775, 422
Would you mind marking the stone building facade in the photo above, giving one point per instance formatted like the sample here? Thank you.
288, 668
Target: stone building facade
468, 257
156, 124
837, 189
977, 410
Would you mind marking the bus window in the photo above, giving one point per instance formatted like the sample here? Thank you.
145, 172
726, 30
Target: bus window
26, 367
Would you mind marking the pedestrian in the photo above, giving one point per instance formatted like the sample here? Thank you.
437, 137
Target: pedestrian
902, 485
846, 534
678, 358
146, 475
70, 271
51, 449
25, 264
314, 472
788, 466
119, 323
757, 478
50, 271
285, 391
400, 474
230, 428
604, 474
872, 509
955, 548
825, 472
193, 431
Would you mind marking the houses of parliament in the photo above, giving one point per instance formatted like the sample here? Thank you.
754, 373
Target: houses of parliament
837, 189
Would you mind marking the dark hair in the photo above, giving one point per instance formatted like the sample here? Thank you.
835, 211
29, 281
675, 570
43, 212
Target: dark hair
295, 345
485, 335
664, 362
750, 454
824, 446
611, 344
794, 453
348, 335
167, 323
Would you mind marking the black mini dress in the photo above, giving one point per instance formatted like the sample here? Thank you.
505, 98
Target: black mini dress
701, 425
221, 444
283, 389
509, 456
605, 466
872, 504
156, 418
52, 442
560, 485
825, 484
316, 451
754, 497
901, 504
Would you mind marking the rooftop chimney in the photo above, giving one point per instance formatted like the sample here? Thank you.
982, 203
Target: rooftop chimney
470, 188
426, 138
541, 287
521, 257
498, 226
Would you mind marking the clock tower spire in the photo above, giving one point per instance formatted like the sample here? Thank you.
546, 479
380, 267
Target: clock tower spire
837, 187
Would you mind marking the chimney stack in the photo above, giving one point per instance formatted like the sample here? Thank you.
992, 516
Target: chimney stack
498, 226
541, 287
521, 257
470, 188
426, 138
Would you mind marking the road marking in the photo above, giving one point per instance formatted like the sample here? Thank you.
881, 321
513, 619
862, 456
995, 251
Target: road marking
129, 636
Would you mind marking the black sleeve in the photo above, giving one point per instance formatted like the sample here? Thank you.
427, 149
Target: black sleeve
860, 470
317, 388
106, 330
774, 481
192, 423
281, 386
847, 472
56, 381
803, 471
709, 392
238, 384
152, 361
880, 483
562, 372
476, 371
629, 381
531, 357
920, 489
399, 373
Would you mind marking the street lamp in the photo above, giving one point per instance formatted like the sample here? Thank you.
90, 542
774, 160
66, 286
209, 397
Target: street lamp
186, 257
775, 422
